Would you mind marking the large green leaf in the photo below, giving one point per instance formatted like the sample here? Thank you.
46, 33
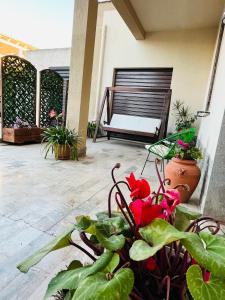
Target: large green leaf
123, 227
184, 216
70, 280
84, 223
101, 216
141, 250
59, 242
69, 295
98, 287
113, 263
74, 265
115, 224
158, 233
110, 242
208, 250
214, 289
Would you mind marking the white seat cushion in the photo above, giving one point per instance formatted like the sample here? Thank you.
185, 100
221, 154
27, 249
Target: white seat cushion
134, 123
161, 149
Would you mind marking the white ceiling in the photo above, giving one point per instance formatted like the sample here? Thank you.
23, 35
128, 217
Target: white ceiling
156, 15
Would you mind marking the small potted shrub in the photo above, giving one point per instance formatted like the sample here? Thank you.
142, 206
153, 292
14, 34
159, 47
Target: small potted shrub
91, 129
183, 169
151, 248
184, 118
60, 140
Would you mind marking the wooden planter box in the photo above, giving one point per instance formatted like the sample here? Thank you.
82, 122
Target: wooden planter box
21, 135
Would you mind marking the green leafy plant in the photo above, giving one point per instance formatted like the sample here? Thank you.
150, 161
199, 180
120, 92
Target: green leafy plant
152, 248
60, 136
91, 129
184, 118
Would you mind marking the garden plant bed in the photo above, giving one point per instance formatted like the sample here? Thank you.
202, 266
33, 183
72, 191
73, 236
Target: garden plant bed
21, 135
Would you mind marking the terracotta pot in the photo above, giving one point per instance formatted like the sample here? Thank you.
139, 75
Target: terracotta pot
62, 152
181, 171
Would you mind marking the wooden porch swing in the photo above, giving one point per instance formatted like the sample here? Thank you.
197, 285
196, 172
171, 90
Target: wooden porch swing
136, 113
147, 122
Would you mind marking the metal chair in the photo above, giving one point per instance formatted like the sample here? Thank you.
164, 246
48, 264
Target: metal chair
164, 149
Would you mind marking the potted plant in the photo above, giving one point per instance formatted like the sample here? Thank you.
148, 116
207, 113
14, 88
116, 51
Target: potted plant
91, 129
151, 248
183, 169
62, 141
184, 118
21, 132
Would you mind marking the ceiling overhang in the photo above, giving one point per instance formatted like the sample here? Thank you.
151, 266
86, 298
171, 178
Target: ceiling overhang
128, 14
142, 16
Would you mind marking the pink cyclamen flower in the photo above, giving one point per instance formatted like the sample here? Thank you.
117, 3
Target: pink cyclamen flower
170, 201
183, 145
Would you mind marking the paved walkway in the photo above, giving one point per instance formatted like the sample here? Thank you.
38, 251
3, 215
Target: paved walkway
39, 198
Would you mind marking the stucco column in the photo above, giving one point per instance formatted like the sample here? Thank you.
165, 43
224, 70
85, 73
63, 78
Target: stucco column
83, 39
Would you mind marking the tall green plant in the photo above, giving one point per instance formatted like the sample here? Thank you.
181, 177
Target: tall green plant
184, 118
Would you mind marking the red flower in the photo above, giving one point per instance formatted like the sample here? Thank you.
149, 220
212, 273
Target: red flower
144, 212
183, 145
151, 264
52, 113
170, 201
140, 188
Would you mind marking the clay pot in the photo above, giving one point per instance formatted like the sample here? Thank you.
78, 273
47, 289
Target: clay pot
62, 152
181, 171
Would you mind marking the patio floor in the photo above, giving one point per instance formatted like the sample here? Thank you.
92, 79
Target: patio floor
39, 198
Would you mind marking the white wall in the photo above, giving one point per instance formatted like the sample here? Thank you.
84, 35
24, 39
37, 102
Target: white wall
45, 58
189, 52
211, 126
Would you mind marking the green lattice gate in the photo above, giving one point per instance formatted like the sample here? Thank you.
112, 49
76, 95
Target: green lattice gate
18, 90
51, 95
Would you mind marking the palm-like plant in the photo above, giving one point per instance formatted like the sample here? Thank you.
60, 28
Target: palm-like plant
60, 136
184, 118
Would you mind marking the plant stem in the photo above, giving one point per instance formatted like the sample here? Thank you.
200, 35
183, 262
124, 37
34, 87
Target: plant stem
135, 296
176, 258
87, 242
165, 181
197, 221
167, 280
122, 199
83, 250
158, 174
184, 264
123, 212
109, 197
